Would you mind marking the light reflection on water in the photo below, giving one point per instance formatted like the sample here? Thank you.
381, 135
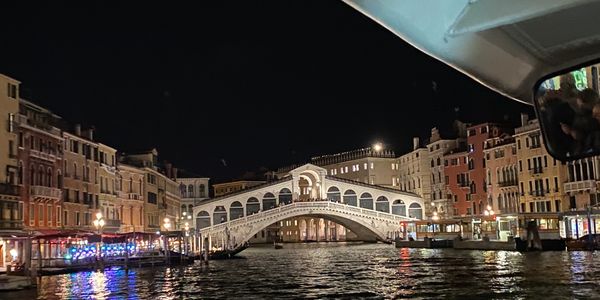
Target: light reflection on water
343, 271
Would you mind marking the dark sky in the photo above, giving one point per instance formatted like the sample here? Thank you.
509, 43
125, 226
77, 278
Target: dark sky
251, 83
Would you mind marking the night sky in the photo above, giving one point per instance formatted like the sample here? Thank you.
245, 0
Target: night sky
232, 86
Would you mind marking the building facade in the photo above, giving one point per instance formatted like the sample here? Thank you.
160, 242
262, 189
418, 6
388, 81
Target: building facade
11, 206
457, 183
131, 198
193, 191
414, 173
40, 167
502, 174
109, 203
224, 188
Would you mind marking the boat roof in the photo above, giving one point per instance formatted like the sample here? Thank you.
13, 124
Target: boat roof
505, 45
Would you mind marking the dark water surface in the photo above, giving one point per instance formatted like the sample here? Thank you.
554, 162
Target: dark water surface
343, 271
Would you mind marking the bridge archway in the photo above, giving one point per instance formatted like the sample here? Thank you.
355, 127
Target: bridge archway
219, 215
415, 211
252, 206
268, 202
382, 204
285, 196
350, 198
202, 220
333, 194
236, 210
366, 201
399, 207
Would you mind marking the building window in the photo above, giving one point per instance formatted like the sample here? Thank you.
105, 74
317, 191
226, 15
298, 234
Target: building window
12, 91
372, 166
41, 215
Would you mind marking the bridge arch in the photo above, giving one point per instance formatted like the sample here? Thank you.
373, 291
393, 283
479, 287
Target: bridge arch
415, 210
366, 201
252, 206
219, 215
285, 196
268, 201
236, 210
382, 204
399, 207
350, 198
202, 220
334, 194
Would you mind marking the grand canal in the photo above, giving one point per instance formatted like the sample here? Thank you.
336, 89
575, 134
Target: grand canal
343, 271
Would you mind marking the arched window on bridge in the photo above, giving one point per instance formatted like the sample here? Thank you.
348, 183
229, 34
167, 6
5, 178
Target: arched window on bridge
285, 196
236, 210
202, 191
333, 194
382, 204
415, 211
350, 198
268, 202
252, 206
190, 209
202, 220
366, 201
399, 208
219, 215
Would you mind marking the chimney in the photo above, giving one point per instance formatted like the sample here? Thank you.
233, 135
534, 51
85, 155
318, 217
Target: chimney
415, 143
524, 119
174, 174
90, 133
78, 129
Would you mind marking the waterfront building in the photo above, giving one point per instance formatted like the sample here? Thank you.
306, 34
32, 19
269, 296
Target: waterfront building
457, 183
11, 205
108, 203
163, 196
438, 149
193, 190
131, 197
541, 179
81, 188
581, 213
414, 173
40, 145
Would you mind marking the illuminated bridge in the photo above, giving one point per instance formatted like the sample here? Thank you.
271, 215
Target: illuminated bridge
371, 212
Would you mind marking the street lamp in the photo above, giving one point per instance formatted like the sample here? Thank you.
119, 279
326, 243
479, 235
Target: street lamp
99, 223
488, 211
377, 147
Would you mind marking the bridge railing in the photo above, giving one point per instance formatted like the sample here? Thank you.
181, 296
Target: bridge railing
314, 204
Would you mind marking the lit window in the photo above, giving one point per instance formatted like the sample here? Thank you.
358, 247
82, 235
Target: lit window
346, 169
365, 166
372, 166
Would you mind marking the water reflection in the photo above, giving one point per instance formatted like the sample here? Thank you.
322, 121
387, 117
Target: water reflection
335, 271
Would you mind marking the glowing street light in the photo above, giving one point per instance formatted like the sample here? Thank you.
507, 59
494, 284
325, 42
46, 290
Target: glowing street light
488, 211
435, 216
377, 147
99, 224
167, 223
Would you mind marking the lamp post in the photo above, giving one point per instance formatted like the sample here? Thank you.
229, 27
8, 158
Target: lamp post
488, 211
434, 218
99, 224
185, 219
167, 225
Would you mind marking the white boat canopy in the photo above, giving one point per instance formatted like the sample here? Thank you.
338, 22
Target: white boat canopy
506, 45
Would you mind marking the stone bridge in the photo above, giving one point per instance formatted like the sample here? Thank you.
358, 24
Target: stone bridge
371, 212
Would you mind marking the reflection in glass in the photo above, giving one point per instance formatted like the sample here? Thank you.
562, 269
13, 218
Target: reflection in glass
569, 110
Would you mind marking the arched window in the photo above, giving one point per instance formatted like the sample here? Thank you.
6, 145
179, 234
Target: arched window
399, 208
366, 201
333, 194
190, 191
202, 191
183, 208
59, 179
41, 176
285, 196
415, 211
190, 209
202, 220
350, 198
268, 201
252, 206
382, 204
183, 190
236, 210
49, 177
32, 175
20, 172
439, 161
219, 215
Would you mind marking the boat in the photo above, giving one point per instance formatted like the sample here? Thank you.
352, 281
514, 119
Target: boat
227, 253
277, 246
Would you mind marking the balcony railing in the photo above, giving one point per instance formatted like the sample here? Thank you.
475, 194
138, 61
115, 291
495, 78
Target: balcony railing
113, 223
537, 170
45, 192
11, 224
507, 183
42, 155
576, 186
9, 189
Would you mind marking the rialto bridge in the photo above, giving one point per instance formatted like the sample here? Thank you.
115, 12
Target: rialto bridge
371, 212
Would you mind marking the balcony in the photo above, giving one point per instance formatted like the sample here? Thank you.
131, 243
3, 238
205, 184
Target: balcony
578, 186
9, 189
42, 155
536, 170
10, 215
507, 183
37, 191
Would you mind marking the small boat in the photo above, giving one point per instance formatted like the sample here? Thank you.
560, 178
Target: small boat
228, 253
278, 246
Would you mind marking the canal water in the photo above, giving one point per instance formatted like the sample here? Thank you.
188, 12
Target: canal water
339, 270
